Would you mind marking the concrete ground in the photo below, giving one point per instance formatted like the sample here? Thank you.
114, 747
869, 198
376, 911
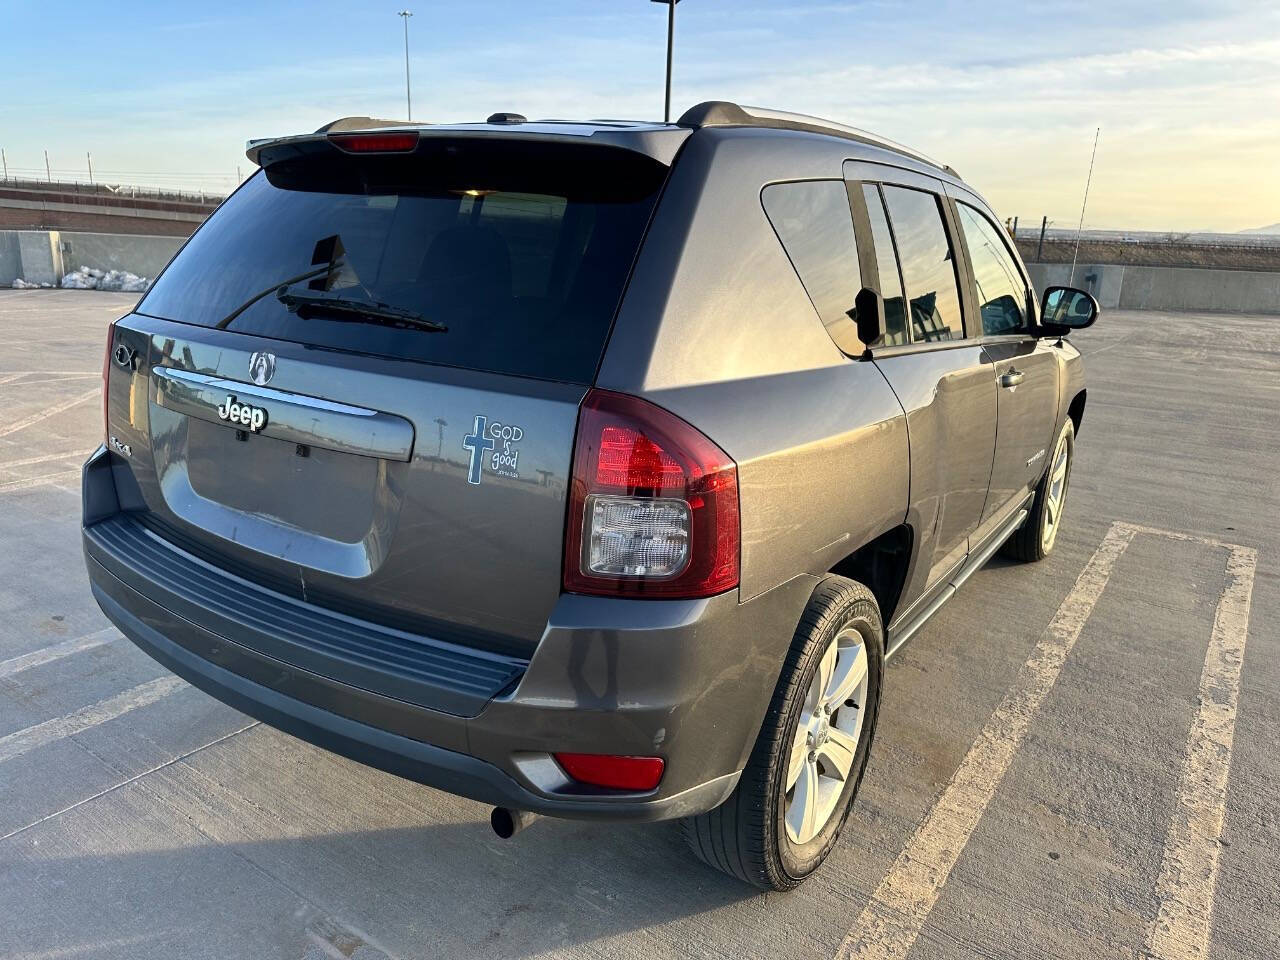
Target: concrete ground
1071, 762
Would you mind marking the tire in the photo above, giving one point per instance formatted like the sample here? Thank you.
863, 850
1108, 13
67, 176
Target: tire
752, 835
1034, 540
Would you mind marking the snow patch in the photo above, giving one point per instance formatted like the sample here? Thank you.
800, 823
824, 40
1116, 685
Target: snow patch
91, 278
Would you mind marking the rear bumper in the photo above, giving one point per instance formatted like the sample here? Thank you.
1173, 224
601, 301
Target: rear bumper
686, 680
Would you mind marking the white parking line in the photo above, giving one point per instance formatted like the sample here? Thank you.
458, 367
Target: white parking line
1190, 870
1185, 537
893, 918
22, 741
47, 412
8, 375
56, 652
47, 458
49, 378
40, 481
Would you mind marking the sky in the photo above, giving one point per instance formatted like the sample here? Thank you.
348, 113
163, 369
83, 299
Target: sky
1010, 92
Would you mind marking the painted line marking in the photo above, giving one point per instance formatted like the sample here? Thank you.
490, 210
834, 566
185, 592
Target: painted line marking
1189, 873
40, 481
57, 651
1186, 537
125, 783
50, 378
23, 741
894, 916
47, 458
14, 374
49, 412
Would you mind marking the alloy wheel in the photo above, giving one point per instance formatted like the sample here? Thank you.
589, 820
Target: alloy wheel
1055, 494
827, 737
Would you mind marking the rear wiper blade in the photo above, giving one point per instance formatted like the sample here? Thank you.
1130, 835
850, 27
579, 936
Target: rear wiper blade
368, 310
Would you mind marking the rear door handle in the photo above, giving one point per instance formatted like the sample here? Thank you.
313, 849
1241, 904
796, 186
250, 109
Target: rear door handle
1011, 378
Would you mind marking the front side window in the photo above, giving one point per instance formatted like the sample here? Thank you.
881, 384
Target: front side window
928, 264
813, 221
1002, 296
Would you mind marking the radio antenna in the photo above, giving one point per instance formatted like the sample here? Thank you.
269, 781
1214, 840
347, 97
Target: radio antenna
1084, 203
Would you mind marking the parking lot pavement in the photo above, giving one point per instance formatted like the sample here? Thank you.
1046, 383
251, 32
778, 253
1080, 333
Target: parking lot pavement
1076, 759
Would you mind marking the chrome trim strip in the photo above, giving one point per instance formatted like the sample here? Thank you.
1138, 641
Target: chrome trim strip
292, 417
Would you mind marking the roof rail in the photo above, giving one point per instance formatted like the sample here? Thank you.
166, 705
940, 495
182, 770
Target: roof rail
722, 113
344, 124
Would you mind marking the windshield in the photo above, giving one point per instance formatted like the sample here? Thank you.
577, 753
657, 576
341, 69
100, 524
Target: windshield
519, 259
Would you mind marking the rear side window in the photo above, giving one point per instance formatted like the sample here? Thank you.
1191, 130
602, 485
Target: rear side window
1002, 295
520, 250
928, 264
895, 313
813, 221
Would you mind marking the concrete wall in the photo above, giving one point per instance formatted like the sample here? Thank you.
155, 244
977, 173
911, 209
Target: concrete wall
43, 256
38, 255
10, 258
1167, 288
145, 256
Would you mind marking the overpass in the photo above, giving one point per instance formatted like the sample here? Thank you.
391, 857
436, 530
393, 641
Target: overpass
101, 208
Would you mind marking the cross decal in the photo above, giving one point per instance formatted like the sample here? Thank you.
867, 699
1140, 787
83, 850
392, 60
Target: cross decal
477, 443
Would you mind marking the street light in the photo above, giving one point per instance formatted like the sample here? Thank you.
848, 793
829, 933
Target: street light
408, 101
671, 33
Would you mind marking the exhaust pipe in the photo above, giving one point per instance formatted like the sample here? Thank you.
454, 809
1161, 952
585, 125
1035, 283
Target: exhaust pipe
507, 823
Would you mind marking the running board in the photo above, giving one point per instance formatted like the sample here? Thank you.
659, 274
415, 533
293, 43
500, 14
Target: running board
899, 635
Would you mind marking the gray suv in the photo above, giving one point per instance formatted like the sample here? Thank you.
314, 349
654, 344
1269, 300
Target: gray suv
584, 469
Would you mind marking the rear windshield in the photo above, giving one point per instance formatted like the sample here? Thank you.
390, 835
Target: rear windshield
518, 251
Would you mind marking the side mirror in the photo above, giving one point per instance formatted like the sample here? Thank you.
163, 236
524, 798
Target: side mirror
1064, 309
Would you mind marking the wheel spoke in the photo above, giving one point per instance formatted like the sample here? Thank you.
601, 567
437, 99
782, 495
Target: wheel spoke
826, 669
799, 753
851, 670
1051, 505
802, 815
837, 753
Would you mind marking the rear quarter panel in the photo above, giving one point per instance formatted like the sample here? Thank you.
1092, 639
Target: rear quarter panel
717, 328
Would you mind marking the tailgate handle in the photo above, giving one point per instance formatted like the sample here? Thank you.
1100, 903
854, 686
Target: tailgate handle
291, 417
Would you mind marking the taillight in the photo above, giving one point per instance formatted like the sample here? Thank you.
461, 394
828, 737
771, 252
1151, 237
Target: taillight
375, 142
106, 371
653, 505
616, 772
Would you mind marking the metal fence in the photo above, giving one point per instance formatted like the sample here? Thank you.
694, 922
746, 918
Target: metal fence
1028, 230
114, 190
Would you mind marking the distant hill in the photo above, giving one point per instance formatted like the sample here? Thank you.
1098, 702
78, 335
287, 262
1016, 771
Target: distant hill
1273, 229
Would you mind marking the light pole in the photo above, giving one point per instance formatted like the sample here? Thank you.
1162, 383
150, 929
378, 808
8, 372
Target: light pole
408, 99
671, 35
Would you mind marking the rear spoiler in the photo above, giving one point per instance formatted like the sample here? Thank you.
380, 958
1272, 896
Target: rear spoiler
657, 142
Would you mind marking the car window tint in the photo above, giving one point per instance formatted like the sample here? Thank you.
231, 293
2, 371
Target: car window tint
1002, 295
813, 221
895, 314
524, 261
928, 264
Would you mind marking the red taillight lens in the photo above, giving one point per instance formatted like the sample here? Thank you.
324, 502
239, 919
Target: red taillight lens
653, 505
618, 773
106, 373
375, 142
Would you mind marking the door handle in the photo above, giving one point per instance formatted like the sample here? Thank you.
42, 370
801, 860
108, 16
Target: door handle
1011, 378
